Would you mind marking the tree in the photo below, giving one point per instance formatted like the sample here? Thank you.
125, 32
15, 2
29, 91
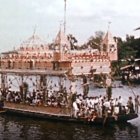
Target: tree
73, 41
95, 41
129, 48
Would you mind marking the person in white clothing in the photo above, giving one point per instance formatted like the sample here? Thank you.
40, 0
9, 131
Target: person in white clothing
107, 107
75, 109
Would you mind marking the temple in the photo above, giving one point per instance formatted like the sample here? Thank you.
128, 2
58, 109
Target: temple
35, 54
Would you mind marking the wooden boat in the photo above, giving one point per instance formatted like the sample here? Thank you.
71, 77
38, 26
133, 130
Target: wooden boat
2, 111
37, 112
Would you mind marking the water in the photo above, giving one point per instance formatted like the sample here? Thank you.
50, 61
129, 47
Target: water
15, 128
19, 128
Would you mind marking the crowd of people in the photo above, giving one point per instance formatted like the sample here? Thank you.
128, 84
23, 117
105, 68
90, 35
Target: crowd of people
37, 98
91, 107
80, 106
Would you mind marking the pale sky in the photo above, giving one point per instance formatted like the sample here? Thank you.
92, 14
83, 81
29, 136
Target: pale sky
19, 17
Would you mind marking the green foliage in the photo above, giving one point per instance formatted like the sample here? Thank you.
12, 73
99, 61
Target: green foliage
73, 42
94, 41
129, 48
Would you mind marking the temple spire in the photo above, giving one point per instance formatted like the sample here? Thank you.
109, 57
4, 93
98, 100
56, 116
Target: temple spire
109, 25
65, 6
34, 31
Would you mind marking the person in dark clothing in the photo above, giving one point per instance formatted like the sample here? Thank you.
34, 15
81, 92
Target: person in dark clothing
130, 105
85, 86
137, 103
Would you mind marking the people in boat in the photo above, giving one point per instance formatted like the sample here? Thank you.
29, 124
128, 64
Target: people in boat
137, 104
75, 109
8, 96
1, 100
17, 98
130, 105
123, 110
93, 115
112, 105
79, 105
120, 104
85, 85
107, 108
100, 106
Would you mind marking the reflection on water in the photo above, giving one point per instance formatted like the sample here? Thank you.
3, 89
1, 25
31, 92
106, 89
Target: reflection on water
21, 128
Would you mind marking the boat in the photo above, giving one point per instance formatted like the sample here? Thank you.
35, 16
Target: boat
60, 112
40, 113
42, 79
2, 111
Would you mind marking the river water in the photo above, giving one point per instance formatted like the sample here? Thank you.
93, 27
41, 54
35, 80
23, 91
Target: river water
21, 128
15, 128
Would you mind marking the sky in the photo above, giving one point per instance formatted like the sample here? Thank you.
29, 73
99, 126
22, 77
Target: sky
19, 18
